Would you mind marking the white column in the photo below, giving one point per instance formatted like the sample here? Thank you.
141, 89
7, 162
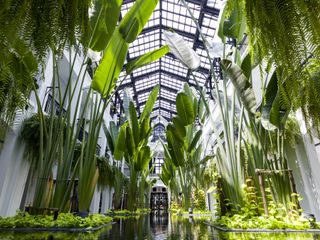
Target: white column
94, 207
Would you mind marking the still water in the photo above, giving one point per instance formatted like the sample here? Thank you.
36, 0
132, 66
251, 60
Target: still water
158, 227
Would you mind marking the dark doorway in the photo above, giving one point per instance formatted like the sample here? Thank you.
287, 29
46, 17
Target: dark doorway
159, 199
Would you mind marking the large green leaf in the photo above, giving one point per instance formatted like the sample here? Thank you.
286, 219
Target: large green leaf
241, 84
195, 140
107, 73
134, 124
175, 133
185, 108
178, 123
150, 103
134, 21
234, 25
246, 66
111, 134
273, 114
121, 143
174, 149
103, 22
190, 92
145, 128
146, 59
144, 158
130, 142
181, 50
126, 101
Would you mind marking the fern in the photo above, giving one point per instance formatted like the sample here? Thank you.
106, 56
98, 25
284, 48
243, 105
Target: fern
287, 32
32, 27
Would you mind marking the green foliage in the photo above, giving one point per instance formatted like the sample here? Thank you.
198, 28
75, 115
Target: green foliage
107, 73
287, 34
106, 172
65, 220
233, 21
132, 146
251, 214
262, 222
241, 84
146, 58
185, 162
29, 28
103, 22
199, 200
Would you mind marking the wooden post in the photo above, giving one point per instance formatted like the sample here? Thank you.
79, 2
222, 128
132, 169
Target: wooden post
293, 188
263, 192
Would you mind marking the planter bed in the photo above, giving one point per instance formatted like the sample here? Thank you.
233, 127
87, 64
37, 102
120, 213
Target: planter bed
258, 230
56, 229
66, 222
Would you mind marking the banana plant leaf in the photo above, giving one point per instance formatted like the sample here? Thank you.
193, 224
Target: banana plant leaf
107, 73
234, 25
185, 108
146, 59
130, 141
273, 114
111, 134
121, 143
126, 102
246, 66
178, 123
191, 94
134, 124
182, 50
134, 21
175, 133
195, 140
150, 103
104, 20
174, 150
143, 159
145, 128
241, 84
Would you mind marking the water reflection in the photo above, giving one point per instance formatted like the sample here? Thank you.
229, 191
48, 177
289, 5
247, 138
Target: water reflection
159, 226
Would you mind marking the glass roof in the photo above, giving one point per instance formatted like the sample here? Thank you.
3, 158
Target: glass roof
168, 72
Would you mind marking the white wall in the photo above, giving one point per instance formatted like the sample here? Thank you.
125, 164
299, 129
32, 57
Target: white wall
13, 174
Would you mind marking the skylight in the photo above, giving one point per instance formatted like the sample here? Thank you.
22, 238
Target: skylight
168, 72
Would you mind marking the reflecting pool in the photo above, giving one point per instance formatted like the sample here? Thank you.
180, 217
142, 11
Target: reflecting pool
158, 226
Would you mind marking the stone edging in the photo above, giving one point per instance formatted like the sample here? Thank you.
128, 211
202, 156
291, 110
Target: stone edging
56, 229
262, 230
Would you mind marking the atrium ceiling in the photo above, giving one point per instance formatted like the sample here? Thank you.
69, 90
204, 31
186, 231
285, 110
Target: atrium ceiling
168, 72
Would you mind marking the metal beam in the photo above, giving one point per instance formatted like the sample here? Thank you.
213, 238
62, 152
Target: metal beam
142, 76
165, 109
161, 99
159, 124
168, 119
209, 10
149, 89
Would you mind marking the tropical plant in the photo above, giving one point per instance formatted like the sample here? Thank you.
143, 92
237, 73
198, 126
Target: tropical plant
58, 142
132, 144
184, 149
237, 113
